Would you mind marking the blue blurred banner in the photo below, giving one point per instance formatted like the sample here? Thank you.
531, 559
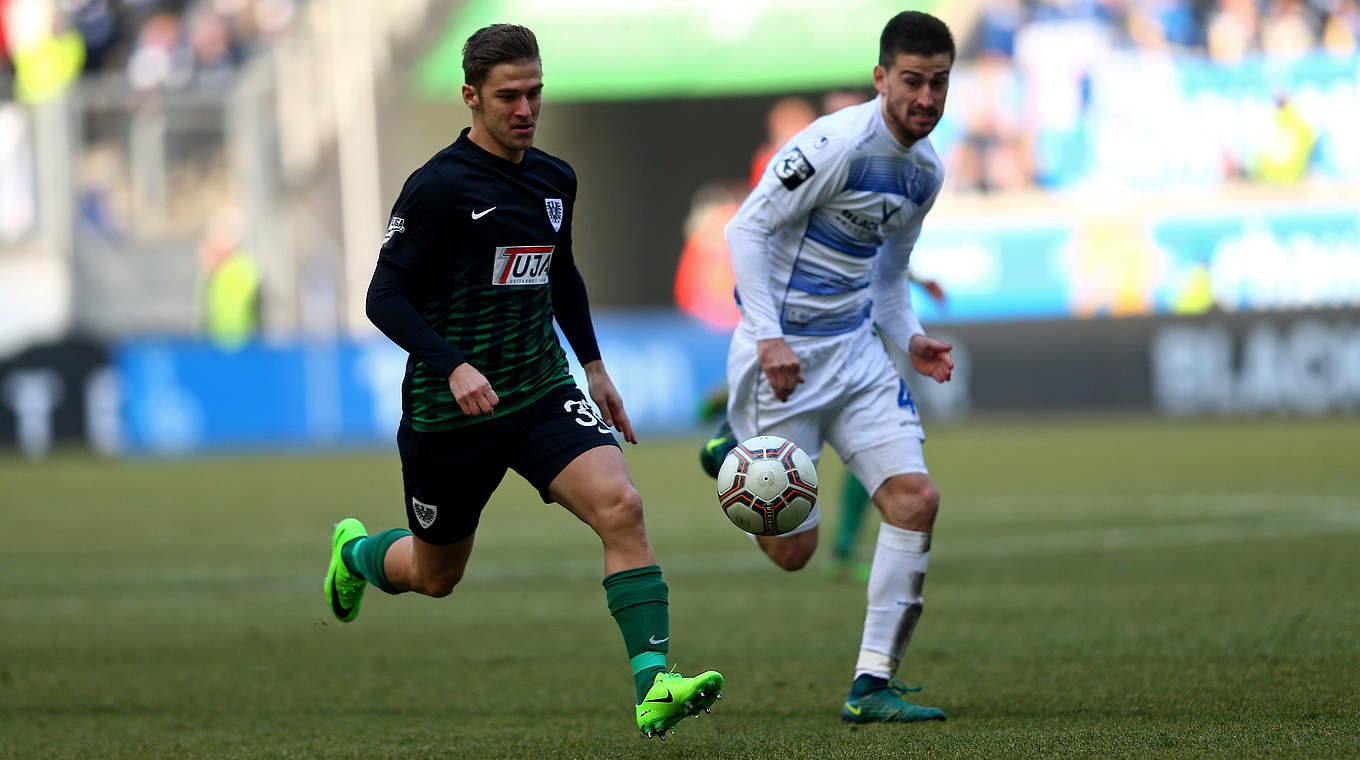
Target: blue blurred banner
1271, 260
1140, 264
996, 271
166, 397
181, 395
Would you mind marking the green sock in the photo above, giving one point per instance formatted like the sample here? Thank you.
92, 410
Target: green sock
854, 500
364, 556
638, 600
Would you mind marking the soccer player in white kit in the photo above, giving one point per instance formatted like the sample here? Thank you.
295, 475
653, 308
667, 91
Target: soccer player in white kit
820, 250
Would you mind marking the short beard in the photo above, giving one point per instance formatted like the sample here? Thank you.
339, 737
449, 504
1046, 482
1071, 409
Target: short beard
926, 133
902, 128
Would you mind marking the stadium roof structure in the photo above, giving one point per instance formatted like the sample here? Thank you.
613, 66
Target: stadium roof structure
596, 50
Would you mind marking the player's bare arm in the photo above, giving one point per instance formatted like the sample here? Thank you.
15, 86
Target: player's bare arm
472, 391
931, 357
608, 400
781, 365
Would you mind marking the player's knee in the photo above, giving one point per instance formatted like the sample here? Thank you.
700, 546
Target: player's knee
789, 554
910, 502
791, 559
622, 512
920, 508
438, 584
928, 499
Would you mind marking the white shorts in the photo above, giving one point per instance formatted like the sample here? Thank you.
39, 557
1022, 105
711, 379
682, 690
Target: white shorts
852, 399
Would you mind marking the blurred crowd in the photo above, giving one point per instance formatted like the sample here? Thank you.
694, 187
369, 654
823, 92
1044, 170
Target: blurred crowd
1019, 103
1070, 94
1224, 30
156, 44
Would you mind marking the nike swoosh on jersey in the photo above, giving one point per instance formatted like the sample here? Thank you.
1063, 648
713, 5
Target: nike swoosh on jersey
480, 214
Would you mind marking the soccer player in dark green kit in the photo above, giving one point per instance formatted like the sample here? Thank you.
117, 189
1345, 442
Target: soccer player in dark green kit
476, 264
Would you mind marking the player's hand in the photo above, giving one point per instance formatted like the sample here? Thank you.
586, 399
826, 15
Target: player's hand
781, 366
931, 357
935, 290
472, 391
608, 400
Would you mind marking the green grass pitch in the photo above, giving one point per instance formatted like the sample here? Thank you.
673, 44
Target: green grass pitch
1104, 588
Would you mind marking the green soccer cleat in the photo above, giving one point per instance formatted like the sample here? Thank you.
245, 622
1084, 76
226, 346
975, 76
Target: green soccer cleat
887, 706
673, 698
713, 453
344, 591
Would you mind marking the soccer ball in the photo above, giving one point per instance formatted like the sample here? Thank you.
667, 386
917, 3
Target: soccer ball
767, 485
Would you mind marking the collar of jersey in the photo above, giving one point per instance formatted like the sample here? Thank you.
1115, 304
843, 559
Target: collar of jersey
487, 157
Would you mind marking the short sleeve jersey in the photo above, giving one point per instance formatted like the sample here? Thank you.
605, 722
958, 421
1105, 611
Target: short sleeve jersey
474, 237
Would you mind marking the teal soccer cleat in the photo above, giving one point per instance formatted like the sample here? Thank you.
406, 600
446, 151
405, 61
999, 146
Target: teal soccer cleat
885, 705
713, 453
344, 591
673, 698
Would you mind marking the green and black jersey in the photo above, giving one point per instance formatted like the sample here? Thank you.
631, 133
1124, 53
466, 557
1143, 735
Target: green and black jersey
476, 260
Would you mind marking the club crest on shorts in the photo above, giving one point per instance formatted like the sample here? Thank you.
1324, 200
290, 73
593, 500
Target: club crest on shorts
425, 513
554, 212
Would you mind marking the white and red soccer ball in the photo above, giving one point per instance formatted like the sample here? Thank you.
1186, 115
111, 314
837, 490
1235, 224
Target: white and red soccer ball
767, 485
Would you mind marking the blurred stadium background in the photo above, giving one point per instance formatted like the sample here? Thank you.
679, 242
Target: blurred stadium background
1149, 238
1148, 204
1149, 241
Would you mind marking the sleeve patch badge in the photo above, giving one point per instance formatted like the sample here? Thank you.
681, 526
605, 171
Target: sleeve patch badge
395, 225
793, 168
555, 210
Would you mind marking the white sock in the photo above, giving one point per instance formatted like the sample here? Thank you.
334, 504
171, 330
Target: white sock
895, 582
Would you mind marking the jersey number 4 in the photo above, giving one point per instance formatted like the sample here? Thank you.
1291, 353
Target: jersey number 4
904, 395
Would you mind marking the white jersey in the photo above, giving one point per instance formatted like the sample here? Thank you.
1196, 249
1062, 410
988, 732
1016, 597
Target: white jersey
820, 247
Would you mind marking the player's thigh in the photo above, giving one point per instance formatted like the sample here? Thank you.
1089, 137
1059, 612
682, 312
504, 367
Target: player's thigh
877, 430
569, 454
448, 477
752, 408
803, 418
893, 470
596, 487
